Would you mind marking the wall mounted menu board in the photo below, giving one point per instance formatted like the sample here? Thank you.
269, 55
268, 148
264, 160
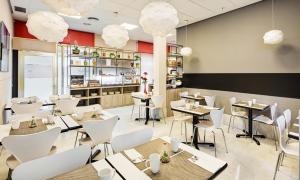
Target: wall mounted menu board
4, 47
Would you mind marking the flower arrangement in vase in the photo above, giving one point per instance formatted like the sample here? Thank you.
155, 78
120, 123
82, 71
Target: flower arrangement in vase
144, 81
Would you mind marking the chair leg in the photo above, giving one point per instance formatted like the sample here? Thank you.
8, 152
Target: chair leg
185, 132
283, 155
164, 115
76, 139
229, 123
275, 137
171, 127
181, 127
132, 112
277, 165
215, 143
91, 155
224, 139
139, 112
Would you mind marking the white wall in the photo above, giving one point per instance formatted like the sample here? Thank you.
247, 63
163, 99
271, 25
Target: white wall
147, 65
5, 77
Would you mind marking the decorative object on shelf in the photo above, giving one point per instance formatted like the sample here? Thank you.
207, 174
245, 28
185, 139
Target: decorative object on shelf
85, 63
112, 55
93, 83
118, 55
108, 62
115, 36
144, 81
47, 26
73, 8
94, 62
95, 54
85, 53
137, 57
76, 50
273, 36
186, 51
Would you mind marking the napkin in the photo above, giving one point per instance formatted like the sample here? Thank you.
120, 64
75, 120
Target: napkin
206, 164
133, 155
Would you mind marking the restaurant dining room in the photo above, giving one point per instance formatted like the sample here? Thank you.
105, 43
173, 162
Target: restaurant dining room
149, 89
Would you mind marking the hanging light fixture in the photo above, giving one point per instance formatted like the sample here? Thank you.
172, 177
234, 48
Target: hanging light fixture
72, 8
274, 36
115, 35
47, 26
186, 51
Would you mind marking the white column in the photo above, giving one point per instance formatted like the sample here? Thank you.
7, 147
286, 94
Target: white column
160, 66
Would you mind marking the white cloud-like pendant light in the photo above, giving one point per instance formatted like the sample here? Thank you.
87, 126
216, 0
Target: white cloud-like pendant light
186, 51
47, 26
72, 7
273, 37
158, 18
115, 36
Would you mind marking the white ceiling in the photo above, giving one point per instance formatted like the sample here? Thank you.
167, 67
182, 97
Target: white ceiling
129, 11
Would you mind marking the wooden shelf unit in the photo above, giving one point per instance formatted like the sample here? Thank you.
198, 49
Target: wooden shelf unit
174, 63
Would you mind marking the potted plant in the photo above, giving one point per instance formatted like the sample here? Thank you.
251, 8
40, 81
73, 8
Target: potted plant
76, 50
165, 158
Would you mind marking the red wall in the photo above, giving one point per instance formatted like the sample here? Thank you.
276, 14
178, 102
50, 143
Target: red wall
145, 47
82, 38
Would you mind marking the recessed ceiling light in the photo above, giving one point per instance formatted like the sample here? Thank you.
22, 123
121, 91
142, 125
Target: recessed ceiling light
168, 35
93, 18
87, 24
74, 17
129, 26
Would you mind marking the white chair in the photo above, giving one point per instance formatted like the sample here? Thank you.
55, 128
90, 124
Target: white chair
213, 125
288, 117
131, 138
180, 117
53, 165
67, 106
184, 93
137, 103
269, 121
286, 149
28, 147
158, 102
100, 132
19, 108
235, 113
210, 100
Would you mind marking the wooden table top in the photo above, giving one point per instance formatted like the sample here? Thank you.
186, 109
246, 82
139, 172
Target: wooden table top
257, 106
193, 97
199, 111
179, 166
24, 128
86, 172
142, 97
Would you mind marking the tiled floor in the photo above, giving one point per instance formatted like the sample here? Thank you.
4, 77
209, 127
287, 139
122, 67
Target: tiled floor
257, 162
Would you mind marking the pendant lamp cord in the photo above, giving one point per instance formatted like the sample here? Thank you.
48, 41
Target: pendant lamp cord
186, 32
273, 21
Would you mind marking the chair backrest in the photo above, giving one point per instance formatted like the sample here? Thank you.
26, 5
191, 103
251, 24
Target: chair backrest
67, 106
217, 117
32, 146
158, 101
232, 101
32, 99
184, 93
288, 117
177, 104
282, 131
100, 131
210, 100
26, 108
132, 138
273, 111
53, 165
20, 117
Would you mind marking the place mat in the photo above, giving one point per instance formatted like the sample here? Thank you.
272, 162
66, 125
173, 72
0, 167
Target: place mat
86, 172
87, 117
154, 146
257, 106
180, 168
24, 128
200, 110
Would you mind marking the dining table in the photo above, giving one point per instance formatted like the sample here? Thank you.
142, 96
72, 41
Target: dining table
294, 132
196, 112
45, 103
144, 98
251, 107
186, 163
193, 97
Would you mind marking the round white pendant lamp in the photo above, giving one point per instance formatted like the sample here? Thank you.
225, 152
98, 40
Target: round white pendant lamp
186, 51
158, 18
115, 36
72, 7
47, 26
273, 36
